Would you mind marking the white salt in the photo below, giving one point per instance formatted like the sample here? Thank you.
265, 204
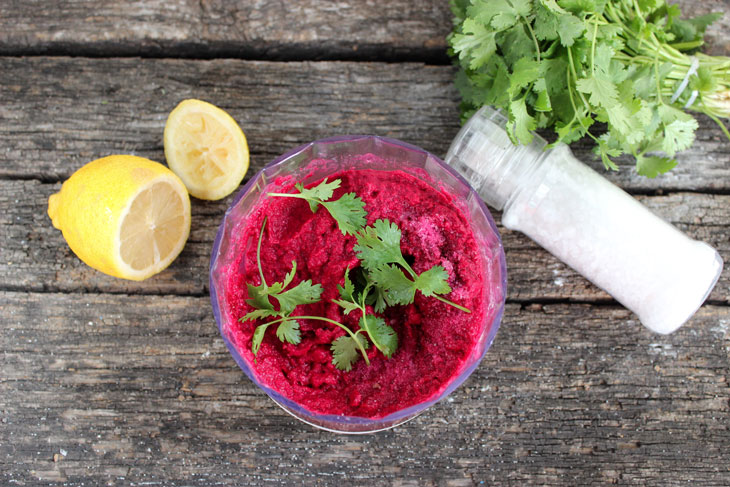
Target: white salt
602, 232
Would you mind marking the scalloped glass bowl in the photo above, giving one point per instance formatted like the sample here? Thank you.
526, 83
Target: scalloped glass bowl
397, 155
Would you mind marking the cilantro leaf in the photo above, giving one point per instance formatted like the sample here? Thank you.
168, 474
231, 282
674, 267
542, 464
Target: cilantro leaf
546, 23
433, 281
378, 248
475, 43
345, 351
289, 276
288, 331
570, 28
524, 72
679, 135
623, 122
522, 123
651, 166
258, 337
349, 212
398, 289
257, 314
348, 306
523, 8
259, 296
607, 147
383, 336
542, 104
379, 244
303, 293
378, 300
348, 290
602, 92
503, 20
505, 14
552, 6
573, 130
688, 30
514, 44
322, 192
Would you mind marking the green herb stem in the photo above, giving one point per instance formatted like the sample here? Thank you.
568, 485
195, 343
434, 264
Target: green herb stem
534, 40
719, 123
258, 253
292, 195
593, 48
451, 303
333, 322
687, 46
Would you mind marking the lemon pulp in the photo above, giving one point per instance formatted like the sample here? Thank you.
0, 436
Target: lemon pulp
151, 230
206, 148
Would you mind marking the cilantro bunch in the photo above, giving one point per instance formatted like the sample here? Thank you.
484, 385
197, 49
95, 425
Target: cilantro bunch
567, 64
383, 282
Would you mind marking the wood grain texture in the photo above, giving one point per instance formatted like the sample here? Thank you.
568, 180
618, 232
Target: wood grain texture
56, 114
361, 29
34, 256
68, 111
133, 389
312, 29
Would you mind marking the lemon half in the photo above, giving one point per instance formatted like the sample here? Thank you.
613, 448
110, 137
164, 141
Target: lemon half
123, 215
206, 148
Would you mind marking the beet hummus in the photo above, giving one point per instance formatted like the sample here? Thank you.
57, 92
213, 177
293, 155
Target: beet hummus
434, 339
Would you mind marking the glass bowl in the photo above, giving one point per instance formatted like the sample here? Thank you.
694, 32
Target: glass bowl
391, 154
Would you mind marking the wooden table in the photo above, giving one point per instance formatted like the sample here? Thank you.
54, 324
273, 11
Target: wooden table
111, 382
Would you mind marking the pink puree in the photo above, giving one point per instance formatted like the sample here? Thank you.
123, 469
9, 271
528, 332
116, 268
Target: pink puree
434, 338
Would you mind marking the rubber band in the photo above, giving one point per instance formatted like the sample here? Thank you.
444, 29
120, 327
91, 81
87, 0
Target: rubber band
680, 89
692, 99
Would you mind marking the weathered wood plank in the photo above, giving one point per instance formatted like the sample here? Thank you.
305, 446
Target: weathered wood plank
58, 113
34, 256
306, 28
313, 29
132, 389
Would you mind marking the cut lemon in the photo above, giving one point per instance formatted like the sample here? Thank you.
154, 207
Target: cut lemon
123, 215
206, 148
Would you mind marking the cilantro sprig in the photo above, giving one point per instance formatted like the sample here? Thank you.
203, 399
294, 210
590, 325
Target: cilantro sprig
384, 283
378, 248
348, 210
288, 327
567, 64
288, 299
384, 338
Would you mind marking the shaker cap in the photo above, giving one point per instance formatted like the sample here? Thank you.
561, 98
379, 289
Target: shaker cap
484, 155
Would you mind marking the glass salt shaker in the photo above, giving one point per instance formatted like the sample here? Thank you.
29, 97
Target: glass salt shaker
645, 263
